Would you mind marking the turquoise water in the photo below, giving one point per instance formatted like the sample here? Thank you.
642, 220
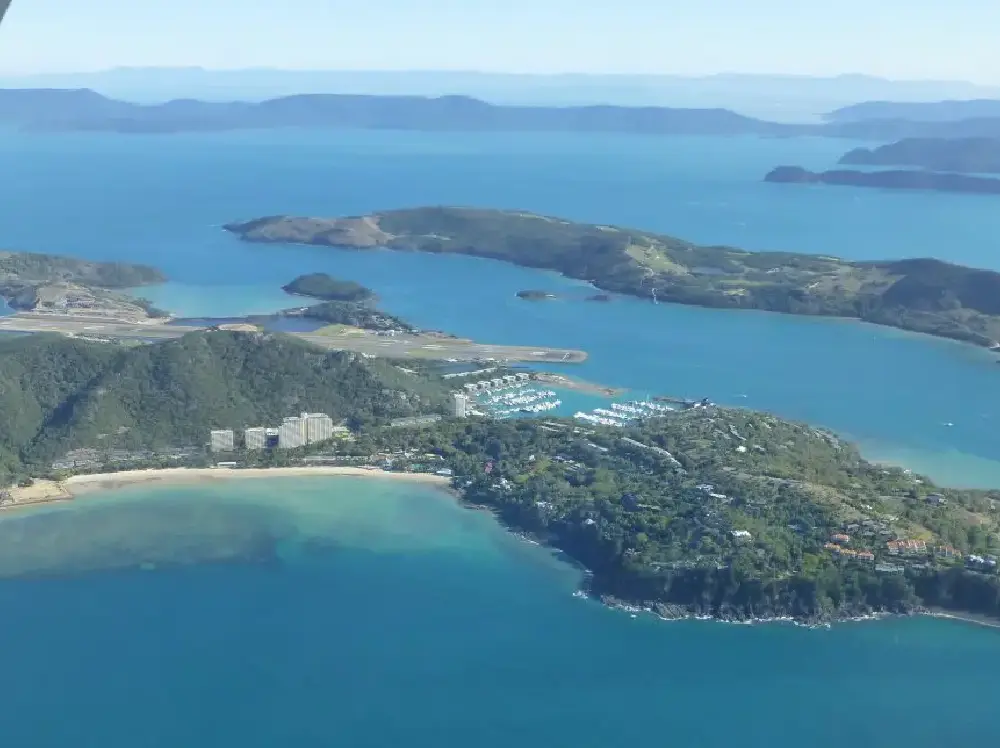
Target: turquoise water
381, 614
320, 612
162, 200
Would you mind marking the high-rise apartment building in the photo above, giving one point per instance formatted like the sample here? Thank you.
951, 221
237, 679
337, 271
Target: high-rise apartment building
461, 405
319, 427
255, 437
222, 440
292, 432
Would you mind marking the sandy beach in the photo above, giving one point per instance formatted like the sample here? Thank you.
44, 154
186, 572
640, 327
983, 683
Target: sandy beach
43, 491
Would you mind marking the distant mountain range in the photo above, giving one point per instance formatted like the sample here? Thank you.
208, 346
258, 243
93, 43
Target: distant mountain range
784, 98
86, 110
934, 111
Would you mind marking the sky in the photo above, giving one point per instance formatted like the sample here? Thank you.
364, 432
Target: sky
903, 39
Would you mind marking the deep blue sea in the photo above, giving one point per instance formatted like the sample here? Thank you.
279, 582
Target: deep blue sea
376, 629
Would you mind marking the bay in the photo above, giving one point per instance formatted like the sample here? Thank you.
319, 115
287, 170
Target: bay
385, 614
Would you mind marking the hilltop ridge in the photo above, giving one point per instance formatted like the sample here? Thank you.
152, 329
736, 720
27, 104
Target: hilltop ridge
75, 110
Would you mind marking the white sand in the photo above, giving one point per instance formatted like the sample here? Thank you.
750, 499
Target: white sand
47, 491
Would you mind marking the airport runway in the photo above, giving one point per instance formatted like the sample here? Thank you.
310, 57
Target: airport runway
402, 346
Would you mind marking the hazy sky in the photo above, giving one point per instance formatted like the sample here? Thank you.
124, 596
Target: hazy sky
893, 38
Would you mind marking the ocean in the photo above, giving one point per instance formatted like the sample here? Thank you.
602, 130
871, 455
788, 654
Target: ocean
383, 614
403, 617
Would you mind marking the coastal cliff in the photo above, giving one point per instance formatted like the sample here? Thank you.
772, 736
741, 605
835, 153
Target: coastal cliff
927, 296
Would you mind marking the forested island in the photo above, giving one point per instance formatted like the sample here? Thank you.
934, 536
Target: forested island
328, 288
887, 180
922, 295
705, 510
52, 283
962, 155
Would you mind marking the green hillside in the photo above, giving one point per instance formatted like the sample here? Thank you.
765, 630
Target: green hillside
60, 394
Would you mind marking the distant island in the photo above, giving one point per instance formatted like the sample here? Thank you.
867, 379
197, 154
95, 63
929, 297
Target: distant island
963, 155
328, 288
889, 180
923, 295
81, 110
44, 283
941, 112
536, 295
711, 511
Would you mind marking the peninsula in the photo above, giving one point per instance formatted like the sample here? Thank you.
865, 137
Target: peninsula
888, 180
928, 296
962, 155
703, 510
53, 284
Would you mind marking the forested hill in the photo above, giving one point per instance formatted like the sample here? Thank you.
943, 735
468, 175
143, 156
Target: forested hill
727, 512
33, 268
926, 296
58, 394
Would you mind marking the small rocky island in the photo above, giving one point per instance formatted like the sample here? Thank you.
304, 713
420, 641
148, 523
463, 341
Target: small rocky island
922, 295
890, 180
328, 288
536, 295
344, 303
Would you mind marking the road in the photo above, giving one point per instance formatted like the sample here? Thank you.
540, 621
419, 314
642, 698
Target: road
402, 346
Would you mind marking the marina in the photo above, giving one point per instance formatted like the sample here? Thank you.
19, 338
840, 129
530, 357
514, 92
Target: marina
516, 399
622, 414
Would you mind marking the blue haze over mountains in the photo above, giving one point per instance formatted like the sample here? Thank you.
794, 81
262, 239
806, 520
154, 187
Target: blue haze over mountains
783, 98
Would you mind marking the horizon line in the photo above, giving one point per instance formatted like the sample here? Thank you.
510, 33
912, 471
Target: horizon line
492, 73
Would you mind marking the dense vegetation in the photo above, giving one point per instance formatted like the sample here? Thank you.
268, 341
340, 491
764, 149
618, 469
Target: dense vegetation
969, 155
724, 512
328, 288
354, 314
32, 267
923, 295
58, 394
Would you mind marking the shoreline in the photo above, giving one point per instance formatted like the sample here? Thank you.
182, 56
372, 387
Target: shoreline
969, 618
44, 492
